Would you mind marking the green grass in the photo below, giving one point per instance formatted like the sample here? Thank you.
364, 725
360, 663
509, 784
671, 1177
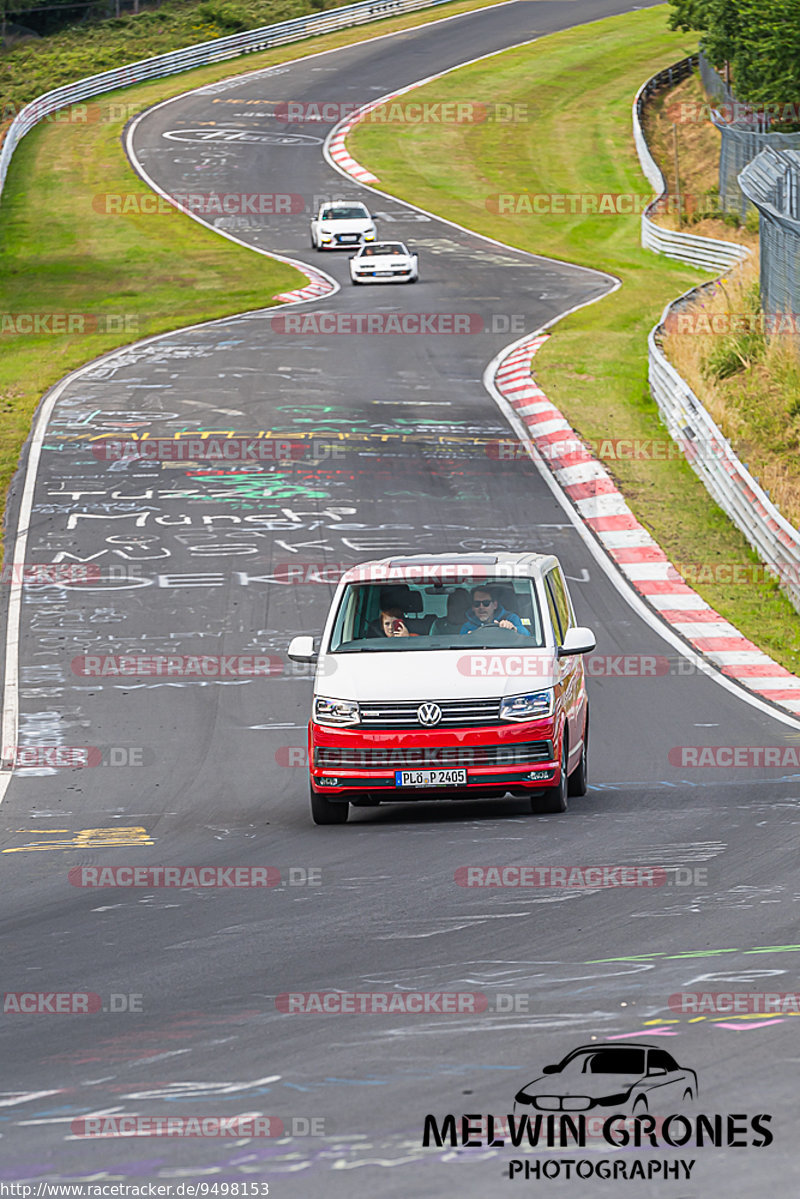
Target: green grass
33, 66
150, 273
576, 89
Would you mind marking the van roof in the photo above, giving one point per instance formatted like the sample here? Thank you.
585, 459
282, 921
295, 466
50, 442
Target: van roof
451, 568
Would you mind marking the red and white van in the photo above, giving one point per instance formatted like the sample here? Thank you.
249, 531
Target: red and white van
448, 677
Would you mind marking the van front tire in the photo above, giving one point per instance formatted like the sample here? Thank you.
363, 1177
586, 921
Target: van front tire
579, 779
328, 811
552, 800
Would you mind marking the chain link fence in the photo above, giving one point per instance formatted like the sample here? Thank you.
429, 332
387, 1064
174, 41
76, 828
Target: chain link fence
714, 86
771, 182
741, 144
745, 131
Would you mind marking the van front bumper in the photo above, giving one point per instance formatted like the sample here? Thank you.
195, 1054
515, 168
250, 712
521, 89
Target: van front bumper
517, 758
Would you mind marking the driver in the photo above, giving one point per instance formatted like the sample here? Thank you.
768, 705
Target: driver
487, 611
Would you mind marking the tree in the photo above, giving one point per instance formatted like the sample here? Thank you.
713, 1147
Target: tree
689, 14
761, 43
766, 59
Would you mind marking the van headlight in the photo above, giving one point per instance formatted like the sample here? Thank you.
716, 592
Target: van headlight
336, 711
533, 706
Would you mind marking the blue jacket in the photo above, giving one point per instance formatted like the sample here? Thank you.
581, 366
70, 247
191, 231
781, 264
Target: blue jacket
472, 622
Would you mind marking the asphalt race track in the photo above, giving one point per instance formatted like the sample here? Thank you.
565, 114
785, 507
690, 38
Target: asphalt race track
396, 435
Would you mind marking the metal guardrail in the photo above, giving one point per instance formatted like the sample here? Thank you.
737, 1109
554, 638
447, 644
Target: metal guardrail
707, 253
727, 479
708, 452
202, 54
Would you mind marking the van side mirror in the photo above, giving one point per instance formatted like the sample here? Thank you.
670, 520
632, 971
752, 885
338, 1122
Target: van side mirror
577, 641
301, 649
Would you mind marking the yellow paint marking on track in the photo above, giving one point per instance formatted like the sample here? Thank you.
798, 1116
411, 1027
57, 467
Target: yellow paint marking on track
752, 1016
737, 1017
87, 838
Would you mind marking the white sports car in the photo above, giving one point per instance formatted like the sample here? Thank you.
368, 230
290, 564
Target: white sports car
384, 262
342, 227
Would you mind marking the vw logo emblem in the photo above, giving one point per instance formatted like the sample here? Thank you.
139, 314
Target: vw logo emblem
429, 714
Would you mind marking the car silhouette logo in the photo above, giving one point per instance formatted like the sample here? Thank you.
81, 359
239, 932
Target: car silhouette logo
623, 1076
429, 714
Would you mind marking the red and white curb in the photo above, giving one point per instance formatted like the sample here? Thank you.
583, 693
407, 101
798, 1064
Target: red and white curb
603, 509
337, 150
318, 285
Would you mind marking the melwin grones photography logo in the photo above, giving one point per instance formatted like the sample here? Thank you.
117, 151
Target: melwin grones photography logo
624, 1094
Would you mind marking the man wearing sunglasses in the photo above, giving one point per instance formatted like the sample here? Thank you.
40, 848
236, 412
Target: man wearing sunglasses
488, 611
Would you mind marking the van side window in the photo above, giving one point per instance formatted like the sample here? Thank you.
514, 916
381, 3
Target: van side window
562, 602
551, 603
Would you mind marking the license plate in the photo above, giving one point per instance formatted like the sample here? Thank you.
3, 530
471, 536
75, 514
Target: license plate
430, 778
349, 237
384, 273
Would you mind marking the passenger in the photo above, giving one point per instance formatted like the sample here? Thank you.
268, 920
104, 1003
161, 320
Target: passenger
393, 624
488, 611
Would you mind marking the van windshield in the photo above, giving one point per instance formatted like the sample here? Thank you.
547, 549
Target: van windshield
380, 617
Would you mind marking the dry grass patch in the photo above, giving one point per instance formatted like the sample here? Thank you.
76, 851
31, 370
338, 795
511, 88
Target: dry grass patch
669, 116
748, 380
